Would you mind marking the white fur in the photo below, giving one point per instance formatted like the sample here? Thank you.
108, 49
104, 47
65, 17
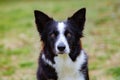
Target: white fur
67, 69
61, 38
47, 61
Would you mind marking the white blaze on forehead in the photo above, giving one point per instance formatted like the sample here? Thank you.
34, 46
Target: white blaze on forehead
61, 27
61, 38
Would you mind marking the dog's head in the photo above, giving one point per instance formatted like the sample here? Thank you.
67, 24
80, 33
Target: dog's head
60, 37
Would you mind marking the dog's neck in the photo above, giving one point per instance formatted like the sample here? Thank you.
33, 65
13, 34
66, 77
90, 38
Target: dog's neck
49, 54
75, 51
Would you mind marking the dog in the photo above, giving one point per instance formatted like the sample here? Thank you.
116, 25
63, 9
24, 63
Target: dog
62, 56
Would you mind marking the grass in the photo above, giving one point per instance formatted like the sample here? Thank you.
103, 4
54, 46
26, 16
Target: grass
19, 40
115, 71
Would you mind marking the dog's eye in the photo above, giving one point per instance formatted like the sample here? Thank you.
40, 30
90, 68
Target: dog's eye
52, 35
68, 35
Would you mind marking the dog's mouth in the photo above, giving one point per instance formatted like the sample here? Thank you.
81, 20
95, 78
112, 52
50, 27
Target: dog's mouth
61, 53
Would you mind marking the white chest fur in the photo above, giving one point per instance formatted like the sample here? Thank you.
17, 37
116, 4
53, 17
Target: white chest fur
67, 69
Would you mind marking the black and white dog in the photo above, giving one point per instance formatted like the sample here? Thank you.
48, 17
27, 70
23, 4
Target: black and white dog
62, 56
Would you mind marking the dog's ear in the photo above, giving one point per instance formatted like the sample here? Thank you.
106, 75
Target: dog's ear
79, 18
41, 19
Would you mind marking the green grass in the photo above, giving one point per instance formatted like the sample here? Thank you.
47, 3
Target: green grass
26, 64
19, 39
115, 72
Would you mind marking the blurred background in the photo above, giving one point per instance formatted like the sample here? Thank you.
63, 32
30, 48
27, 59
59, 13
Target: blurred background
20, 43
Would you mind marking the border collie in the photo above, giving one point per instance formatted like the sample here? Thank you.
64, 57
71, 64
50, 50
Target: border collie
62, 56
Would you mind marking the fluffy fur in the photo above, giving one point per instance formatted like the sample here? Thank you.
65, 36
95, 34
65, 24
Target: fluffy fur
62, 56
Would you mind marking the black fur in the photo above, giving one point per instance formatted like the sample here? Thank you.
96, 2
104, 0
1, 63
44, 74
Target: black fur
46, 26
45, 71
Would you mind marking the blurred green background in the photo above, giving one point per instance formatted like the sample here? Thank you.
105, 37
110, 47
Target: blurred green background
20, 43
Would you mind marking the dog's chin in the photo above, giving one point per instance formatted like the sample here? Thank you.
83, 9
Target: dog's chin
62, 53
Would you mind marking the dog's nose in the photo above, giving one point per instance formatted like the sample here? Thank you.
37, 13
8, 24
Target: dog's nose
61, 47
